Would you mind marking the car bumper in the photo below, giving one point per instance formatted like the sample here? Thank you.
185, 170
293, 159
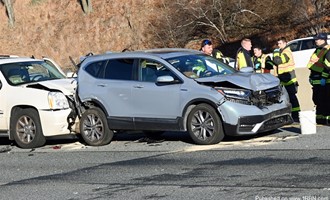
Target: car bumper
54, 122
259, 120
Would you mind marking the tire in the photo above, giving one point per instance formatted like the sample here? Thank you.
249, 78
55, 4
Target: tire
26, 128
94, 127
204, 125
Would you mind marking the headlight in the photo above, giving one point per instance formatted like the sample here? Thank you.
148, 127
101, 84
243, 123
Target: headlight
235, 93
57, 100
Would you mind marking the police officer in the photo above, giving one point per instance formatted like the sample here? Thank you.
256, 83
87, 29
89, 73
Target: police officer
285, 68
207, 48
319, 66
262, 62
243, 57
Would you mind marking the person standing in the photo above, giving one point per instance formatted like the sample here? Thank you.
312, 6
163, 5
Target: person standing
262, 62
319, 66
243, 57
285, 67
207, 48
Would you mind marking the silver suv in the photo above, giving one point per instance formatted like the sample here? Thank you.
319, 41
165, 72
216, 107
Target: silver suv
176, 90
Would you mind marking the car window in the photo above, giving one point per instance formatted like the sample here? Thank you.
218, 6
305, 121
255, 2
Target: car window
119, 69
149, 70
196, 66
96, 69
308, 44
295, 46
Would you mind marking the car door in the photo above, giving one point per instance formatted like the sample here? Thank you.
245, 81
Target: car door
3, 126
115, 88
155, 100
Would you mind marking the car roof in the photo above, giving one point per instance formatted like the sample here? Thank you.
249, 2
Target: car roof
4, 60
305, 38
163, 53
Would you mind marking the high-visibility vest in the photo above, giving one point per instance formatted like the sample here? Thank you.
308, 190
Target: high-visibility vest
317, 62
219, 55
262, 64
241, 61
287, 64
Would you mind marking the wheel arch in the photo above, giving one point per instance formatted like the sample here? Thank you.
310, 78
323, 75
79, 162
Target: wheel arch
13, 110
95, 103
191, 104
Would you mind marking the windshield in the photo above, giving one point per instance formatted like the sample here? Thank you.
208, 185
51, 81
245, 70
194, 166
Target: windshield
196, 66
27, 72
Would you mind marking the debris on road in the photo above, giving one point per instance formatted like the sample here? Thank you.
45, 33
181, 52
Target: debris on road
6, 149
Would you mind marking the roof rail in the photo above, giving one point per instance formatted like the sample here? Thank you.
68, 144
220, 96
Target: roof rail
8, 56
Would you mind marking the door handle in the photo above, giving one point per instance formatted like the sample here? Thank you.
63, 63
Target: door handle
102, 85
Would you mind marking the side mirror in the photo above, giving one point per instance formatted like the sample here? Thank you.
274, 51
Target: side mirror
165, 79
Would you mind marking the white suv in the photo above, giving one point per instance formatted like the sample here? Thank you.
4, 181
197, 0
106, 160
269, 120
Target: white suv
36, 101
302, 49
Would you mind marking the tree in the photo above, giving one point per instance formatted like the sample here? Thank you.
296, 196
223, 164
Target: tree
315, 13
10, 11
87, 6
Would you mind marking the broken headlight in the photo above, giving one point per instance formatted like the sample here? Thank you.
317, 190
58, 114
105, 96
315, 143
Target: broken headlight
236, 95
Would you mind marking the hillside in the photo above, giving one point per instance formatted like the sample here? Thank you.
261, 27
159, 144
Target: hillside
59, 29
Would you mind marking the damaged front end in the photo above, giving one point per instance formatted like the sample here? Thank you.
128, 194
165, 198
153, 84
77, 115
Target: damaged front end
257, 98
62, 95
251, 104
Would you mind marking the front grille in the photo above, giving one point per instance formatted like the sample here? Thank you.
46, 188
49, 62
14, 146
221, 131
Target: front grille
266, 97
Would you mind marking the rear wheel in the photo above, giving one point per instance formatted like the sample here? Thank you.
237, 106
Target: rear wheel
94, 127
204, 125
26, 128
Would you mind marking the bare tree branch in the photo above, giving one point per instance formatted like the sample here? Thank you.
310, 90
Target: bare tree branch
87, 6
10, 11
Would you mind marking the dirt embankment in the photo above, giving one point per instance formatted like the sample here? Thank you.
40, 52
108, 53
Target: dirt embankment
59, 29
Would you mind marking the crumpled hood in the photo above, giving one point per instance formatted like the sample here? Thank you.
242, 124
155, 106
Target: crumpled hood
252, 81
67, 86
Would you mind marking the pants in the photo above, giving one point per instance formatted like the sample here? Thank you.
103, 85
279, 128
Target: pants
292, 91
321, 97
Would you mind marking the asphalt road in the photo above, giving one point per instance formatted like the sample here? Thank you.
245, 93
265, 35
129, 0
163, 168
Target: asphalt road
281, 165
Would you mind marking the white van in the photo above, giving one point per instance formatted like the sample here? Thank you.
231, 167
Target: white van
302, 49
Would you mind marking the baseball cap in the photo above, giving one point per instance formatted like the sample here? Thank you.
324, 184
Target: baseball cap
321, 36
206, 42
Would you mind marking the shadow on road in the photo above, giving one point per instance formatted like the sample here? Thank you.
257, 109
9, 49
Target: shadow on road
166, 136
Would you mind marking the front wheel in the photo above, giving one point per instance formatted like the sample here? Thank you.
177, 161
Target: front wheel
204, 125
94, 127
26, 128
